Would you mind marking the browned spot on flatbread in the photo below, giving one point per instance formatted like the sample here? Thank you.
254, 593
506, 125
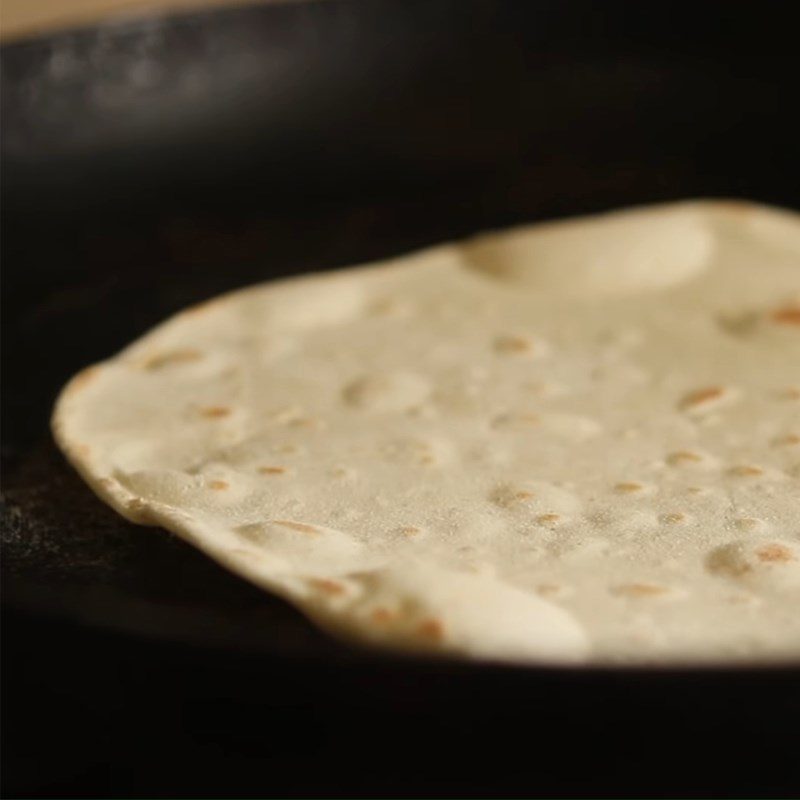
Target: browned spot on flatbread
272, 470
628, 487
546, 518
701, 397
301, 527
639, 590
218, 486
786, 316
327, 586
431, 629
775, 554
215, 412
513, 344
382, 616
745, 471
683, 457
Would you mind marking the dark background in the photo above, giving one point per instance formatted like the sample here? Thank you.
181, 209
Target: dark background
152, 164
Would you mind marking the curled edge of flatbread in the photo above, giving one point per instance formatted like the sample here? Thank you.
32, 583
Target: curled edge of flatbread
411, 605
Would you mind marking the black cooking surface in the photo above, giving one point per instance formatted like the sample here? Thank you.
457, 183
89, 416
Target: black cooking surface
151, 165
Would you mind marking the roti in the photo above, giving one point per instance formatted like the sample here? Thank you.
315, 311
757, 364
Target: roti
575, 442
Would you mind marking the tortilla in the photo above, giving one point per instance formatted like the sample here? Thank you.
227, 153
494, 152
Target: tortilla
573, 442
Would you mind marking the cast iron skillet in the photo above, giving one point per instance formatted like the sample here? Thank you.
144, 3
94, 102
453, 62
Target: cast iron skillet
155, 163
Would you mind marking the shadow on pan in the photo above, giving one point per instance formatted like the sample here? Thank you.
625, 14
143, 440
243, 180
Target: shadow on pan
154, 163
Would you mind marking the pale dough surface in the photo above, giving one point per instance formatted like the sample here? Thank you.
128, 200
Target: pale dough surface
574, 442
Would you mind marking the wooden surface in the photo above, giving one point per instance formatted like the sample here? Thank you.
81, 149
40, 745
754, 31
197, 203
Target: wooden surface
26, 18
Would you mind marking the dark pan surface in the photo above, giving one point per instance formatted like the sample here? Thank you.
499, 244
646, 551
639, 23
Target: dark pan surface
151, 165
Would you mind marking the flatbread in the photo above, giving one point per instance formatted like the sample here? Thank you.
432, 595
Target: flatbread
574, 442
